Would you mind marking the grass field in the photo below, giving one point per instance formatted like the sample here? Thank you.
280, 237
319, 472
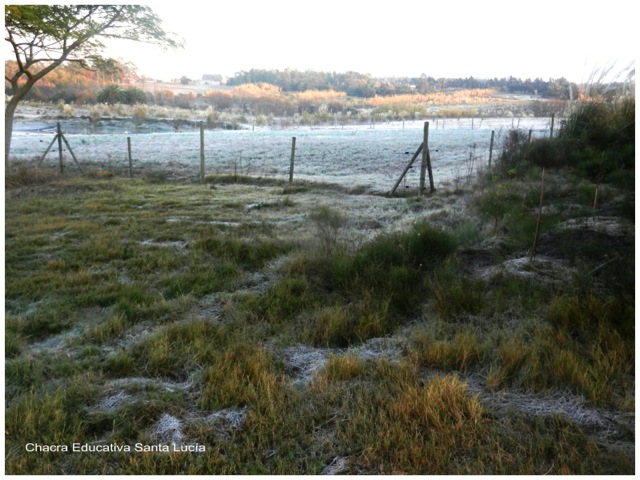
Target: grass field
261, 328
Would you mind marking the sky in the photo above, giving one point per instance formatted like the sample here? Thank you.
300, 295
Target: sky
396, 38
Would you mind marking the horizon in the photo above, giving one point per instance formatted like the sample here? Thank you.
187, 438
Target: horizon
482, 41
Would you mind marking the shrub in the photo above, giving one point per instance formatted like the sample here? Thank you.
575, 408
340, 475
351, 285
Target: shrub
601, 125
111, 94
328, 223
420, 248
95, 114
133, 96
598, 139
140, 113
390, 267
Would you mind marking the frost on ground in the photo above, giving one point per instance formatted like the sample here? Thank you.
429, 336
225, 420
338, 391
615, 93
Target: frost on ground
605, 426
223, 422
352, 156
375, 348
337, 466
112, 403
169, 430
233, 418
550, 270
614, 226
305, 362
142, 383
124, 391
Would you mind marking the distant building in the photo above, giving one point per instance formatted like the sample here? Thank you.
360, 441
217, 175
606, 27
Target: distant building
212, 79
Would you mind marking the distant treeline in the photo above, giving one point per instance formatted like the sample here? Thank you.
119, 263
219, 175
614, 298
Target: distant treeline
362, 85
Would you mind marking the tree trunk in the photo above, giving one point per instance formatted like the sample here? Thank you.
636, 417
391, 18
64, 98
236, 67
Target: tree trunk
10, 110
19, 92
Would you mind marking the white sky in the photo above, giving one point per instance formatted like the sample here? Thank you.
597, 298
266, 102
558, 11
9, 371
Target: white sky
441, 38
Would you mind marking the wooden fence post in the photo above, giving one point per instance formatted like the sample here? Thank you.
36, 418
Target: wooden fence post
426, 161
493, 133
130, 158
293, 156
202, 152
423, 163
59, 137
553, 116
59, 130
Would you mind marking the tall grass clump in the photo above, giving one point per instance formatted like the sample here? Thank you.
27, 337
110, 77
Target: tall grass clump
587, 348
424, 429
392, 266
455, 295
603, 139
249, 254
342, 326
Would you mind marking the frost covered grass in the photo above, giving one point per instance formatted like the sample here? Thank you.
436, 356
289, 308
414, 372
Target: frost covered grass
251, 317
355, 156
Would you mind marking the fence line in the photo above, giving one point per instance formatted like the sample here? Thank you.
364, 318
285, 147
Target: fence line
355, 154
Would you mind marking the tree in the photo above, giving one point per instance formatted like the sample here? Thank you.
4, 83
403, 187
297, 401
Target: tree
111, 94
43, 37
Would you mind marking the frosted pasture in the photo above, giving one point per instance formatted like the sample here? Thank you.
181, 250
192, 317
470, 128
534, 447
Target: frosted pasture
369, 156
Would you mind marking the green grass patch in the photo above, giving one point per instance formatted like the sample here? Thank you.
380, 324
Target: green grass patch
129, 300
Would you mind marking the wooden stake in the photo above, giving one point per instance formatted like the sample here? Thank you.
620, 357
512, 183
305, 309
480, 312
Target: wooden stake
202, 152
293, 156
423, 164
493, 133
59, 135
49, 147
406, 169
72, 154
537, 234
130, 159
426, 161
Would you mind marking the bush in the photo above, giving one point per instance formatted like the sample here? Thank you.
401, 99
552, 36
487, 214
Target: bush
328, 223
597, 139
391, 266
113, 94
420, 248
140, 113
